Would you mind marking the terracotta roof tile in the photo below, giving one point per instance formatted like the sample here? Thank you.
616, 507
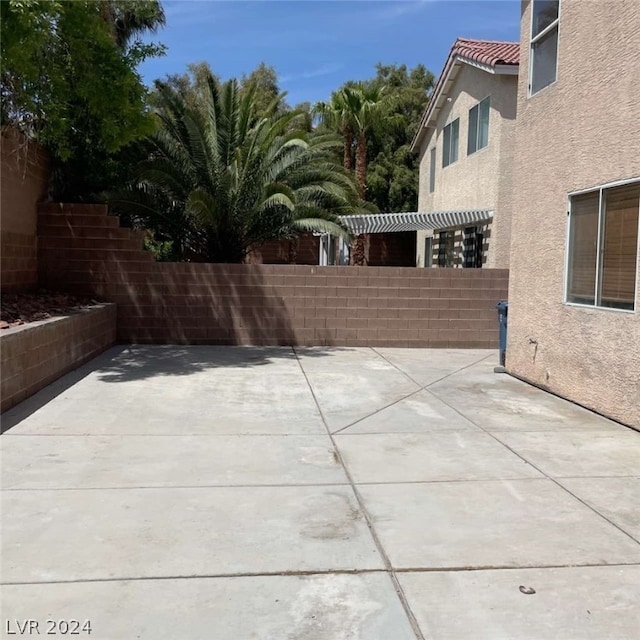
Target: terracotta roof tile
487, 51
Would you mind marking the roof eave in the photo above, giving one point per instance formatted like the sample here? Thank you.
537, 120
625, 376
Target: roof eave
436, 99
507, 69
453, 63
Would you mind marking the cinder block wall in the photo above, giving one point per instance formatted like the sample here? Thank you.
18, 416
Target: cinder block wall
34, 355
81, 249
24, 174
302, 250
380, 250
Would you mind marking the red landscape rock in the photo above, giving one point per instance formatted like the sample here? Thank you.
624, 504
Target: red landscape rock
22, 308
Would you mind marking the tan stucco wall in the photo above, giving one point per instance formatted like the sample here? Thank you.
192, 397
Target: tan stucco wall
580, 132
474, 182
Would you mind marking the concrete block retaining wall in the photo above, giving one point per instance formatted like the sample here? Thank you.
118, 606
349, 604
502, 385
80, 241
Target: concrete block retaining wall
25, 175
82, 250
36, 354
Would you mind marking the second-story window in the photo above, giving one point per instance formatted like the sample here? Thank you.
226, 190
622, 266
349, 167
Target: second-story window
478, 137
544, 44
451, 134
432, 170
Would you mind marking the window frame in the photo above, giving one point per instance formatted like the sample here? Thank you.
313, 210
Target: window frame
534, 40
600, 238
477, 132
472, 247
433, 157
444, 156
428, 252
446, 235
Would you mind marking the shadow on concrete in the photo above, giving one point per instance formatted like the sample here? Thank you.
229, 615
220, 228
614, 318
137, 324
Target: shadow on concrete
141, 362
38, 400
127, 363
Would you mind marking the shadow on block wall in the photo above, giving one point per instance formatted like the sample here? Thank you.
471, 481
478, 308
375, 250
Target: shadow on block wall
185, 303
25, 172
83, 250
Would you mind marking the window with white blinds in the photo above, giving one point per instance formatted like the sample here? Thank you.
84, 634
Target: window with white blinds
603, 247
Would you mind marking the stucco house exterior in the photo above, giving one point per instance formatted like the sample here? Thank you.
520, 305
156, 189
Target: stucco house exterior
574, 297
466, 141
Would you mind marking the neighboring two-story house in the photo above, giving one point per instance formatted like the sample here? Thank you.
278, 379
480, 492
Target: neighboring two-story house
574, 298
466, 142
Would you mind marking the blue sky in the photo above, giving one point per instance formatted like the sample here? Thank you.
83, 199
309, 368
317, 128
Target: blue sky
316, 46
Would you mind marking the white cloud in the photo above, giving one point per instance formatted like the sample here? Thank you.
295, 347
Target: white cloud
322, 70
397, 8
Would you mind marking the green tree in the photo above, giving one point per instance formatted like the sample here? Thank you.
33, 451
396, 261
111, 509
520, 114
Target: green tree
306, 110
356, 110
262, 82
192, 85
69, 80
234, 178
131, 19
390, 169
392, 177
339, 115
371, 110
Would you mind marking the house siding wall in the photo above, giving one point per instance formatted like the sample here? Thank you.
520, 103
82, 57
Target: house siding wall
577, 133
476, 181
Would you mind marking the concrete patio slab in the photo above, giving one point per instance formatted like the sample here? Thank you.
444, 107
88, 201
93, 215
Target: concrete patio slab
572, 453
313, 607
180, 492
440, 364
499, 402
88, 462
188, 390
508, 523
350, 384
420, 412
617, 499
429, 457
589, 603
144, 533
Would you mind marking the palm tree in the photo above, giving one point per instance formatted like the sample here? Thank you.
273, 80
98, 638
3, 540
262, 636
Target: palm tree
132, 18
367, 107
370, 109
234, 180
338, 114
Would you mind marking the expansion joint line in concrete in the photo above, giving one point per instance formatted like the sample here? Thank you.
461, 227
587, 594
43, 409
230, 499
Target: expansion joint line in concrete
409, 395
368, 519
546, 475
314, 572
448, 375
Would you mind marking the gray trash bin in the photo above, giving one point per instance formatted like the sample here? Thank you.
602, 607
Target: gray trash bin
503, 310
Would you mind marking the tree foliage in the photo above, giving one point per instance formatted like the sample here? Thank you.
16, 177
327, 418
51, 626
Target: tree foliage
224, 175
263, 83
392, 177
192, 85
381, 115
338, 114
69, 79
